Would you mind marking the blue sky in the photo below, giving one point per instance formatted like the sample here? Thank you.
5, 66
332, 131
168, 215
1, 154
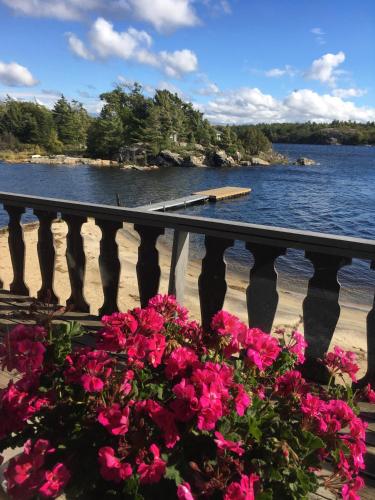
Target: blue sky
239, 61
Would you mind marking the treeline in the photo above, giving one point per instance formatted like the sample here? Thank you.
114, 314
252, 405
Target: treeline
29, 126
127, 118
336, 132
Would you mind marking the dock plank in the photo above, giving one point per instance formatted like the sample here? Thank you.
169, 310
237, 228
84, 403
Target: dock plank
224, 193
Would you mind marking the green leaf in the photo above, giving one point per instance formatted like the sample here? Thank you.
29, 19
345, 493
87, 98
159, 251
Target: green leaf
312, 442
253, 428
174, 474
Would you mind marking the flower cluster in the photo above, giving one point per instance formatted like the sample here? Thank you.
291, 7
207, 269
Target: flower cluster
160, 408
28, 477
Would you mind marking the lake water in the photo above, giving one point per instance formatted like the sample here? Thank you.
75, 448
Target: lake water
337, 195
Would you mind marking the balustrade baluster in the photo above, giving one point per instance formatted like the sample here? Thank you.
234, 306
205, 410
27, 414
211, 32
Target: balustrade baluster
179, 262
148, 269
109, 264
321, 311
369, 377
17, 249
262, 296
211, 283
76, 261
46, 255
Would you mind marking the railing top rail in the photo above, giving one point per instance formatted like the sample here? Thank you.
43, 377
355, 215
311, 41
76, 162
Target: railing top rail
268, 235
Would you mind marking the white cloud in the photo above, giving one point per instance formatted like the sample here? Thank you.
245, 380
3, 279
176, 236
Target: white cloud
208, 89
323, 69
59, 9
319, 35
132, 45
251, 105
218, 6
178, 62
78, 47
351, 92
15, 75
277, 72
164, 15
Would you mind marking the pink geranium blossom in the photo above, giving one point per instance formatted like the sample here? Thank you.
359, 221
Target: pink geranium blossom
244, 490
111, 468
184, 492
23, 349
55, 481
179, 361
291, 383
152, 472
342, 361
297, 346
115, 419
262, 349
224, 444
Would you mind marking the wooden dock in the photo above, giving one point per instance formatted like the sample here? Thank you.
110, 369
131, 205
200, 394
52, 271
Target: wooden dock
216, 194
224, 193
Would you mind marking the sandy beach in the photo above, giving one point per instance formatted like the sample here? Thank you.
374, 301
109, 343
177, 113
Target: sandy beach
350, 332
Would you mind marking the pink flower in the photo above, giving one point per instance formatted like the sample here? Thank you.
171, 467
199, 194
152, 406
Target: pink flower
115, 419
125, 321
349, 491
244, 490
152, 472
167, 306
369, 393
179, 361
23, 349
224, 444
291, 383
297, 346
184, 492
91, 369
358, 428
164, 419
262, 349
342, 361
242, 401
126, 386
225, 324
149, 321
111, 468
55, 480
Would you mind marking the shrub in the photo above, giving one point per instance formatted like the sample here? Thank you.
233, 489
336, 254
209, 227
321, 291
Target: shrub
162, 409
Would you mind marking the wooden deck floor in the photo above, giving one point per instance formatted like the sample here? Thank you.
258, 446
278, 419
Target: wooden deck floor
15, 309
224, 193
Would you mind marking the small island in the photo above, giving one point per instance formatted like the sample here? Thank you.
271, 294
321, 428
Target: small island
137, 131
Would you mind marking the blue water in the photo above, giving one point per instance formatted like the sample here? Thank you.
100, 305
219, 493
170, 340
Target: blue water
337, 195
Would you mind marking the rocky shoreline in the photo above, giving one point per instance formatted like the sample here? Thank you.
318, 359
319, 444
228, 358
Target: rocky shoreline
199, 158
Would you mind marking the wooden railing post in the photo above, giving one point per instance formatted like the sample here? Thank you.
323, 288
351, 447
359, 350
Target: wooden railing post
369, 377
17, 249
76, 261
212, 284
46, 255
148, 269
321, 311
109, 264
262, 296
179, 262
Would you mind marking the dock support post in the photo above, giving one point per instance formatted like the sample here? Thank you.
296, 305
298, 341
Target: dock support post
179, 261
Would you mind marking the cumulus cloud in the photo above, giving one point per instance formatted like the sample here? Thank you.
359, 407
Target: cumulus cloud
218, 6
319, 35
15, 75
208, 89
132, 45
277, 72
59, 9
251, 105
323, 69
164, 15
78, 47
351, 92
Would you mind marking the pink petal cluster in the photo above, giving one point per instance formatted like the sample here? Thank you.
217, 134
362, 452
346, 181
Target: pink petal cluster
153, 470
225, 444
168, 307
244, 490
340, 361
111, 467
261, 349
297, 346
290, 384
115, 419
91, 369
23, 349
27, 478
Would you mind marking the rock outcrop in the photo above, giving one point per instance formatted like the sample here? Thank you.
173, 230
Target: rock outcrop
219, 159
194, 161
255, 160
167, 158
305, 162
